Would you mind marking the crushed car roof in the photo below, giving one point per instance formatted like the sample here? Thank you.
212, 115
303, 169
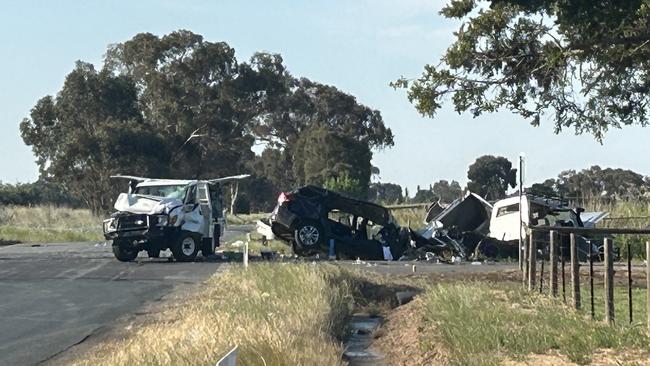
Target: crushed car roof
335, 201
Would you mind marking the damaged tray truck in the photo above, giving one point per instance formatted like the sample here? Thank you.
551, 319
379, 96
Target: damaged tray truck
184, 216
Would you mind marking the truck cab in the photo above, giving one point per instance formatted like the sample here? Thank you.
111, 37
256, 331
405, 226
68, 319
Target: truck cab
185, 216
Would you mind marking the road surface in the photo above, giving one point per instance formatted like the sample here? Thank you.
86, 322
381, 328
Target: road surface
53, 296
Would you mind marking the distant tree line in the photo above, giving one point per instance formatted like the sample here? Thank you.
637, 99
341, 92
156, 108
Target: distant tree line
596, 183
37, 193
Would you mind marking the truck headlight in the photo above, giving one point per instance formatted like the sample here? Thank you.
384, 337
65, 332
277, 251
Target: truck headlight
110, 225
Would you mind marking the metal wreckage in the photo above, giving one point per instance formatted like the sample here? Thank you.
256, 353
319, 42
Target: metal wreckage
317, 221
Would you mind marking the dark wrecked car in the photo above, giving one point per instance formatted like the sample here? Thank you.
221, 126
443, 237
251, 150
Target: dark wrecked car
310, 217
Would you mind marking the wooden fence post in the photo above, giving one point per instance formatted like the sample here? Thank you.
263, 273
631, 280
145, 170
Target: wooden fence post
647, 279
575, 272
553, 258
609, 282
532, 261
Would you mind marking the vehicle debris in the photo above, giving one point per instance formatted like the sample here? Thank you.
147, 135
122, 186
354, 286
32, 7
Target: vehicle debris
471, 228
185, 216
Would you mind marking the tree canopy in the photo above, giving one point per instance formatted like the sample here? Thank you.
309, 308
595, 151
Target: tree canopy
489, 176
596, 182
179, 106
582, 64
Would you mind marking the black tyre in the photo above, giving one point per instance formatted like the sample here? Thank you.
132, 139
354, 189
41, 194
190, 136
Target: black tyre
206, 248
124, 251
186, 247
309, 236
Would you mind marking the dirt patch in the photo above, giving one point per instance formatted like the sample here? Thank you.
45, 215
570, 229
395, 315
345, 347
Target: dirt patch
398, 338
600, 357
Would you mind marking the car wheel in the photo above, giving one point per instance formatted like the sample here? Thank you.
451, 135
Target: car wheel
309, 236
186, 247
123, 251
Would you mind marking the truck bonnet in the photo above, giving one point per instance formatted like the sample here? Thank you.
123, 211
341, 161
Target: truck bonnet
150, 205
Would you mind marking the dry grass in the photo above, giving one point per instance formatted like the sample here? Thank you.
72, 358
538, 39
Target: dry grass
486, 323
414, 217
243, 219
48, 224
277, 314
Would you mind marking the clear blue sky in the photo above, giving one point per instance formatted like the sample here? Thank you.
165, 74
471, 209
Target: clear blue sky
358, 46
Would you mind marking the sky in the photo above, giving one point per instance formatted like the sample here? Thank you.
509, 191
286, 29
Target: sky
359, 46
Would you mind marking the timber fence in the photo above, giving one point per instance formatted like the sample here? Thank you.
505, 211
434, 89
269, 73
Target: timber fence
550, 251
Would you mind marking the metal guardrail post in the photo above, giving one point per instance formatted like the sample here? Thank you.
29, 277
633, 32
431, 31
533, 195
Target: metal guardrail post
575, 273
553, 259
609, 282
532, 261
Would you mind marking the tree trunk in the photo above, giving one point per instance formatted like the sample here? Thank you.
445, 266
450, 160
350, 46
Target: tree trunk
234, 190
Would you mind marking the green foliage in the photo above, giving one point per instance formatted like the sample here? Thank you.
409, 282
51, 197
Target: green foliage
322, 155
447, 192
606, 185
489, 176
37, 193
582, 64
482, 323
347, 186
181, 107
385, 193
424, 196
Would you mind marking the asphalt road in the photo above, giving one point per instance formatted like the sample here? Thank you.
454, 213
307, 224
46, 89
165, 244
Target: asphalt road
53, 296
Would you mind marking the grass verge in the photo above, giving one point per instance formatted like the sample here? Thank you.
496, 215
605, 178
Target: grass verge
278, 315
48, 224
43, 235
485, 323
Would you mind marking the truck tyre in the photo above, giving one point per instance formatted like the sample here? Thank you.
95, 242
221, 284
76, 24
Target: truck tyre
123, 251
186, 247
308, 236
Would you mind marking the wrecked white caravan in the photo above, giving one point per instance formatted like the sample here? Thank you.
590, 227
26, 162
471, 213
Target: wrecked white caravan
486, 230
185, 216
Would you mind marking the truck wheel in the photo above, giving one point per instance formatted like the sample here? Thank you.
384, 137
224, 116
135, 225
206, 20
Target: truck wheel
186, 247
123, 251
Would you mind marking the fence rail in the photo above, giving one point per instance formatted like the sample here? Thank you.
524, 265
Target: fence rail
531, 247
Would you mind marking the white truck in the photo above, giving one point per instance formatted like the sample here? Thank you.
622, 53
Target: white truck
185, 216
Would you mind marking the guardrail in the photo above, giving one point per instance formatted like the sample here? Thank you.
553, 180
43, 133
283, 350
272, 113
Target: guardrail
556, 254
